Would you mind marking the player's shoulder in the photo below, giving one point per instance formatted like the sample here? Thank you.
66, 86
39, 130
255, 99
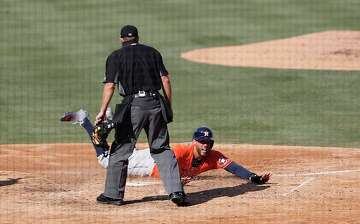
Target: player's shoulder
214, 152
216, 157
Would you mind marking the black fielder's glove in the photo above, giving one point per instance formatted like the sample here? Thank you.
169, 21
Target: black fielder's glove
100, 133
260, 179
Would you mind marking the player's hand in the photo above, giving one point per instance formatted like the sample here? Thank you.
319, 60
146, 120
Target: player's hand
266, 177
260, 179
185, 180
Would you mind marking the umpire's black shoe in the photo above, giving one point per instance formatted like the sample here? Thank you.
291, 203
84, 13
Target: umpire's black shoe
179, 198
106, 200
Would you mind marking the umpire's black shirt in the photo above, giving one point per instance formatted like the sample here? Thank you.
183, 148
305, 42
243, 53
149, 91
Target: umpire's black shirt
135, 67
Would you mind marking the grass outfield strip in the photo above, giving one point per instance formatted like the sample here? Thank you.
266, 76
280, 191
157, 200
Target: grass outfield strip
53, 54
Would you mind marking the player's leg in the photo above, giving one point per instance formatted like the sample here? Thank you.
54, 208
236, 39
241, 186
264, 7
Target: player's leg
102, 152
140, 163
81, 117
88, 126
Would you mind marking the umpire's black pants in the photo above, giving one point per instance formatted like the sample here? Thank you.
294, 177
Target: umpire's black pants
145, 113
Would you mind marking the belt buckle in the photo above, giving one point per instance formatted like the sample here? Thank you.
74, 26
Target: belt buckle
142, 93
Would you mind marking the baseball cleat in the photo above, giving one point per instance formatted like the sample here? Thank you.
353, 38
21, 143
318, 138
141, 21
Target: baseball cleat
179, 198
75, 117
106, 200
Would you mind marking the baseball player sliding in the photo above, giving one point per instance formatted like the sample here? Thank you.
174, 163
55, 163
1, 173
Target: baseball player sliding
193, 159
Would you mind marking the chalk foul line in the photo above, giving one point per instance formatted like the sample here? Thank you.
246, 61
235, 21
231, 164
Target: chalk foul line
316, 173
299, 186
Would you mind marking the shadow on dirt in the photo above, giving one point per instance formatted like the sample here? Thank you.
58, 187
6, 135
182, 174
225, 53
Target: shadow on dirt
207, 195
9, 181
200, 197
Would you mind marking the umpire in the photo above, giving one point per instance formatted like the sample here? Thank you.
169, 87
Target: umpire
139, 73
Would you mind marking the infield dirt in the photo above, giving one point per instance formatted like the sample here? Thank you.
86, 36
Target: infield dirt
330, 50
58, 183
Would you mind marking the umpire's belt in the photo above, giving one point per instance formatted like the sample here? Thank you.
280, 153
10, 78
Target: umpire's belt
145, 93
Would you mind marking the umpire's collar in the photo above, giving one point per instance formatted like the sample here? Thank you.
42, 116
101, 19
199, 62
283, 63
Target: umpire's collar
129, 42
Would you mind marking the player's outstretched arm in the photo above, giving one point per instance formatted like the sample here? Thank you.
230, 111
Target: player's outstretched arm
244, 173
239, 170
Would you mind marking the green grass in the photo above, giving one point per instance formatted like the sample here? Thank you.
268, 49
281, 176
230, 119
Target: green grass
53, 54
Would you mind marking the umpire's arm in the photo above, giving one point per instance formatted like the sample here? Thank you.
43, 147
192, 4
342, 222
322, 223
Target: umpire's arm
167, 86
108, 92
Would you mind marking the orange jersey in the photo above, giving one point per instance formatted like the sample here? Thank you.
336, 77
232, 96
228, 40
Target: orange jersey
184, 155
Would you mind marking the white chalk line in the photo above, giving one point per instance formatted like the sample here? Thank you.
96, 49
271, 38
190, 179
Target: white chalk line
299, 186
148, 183
311, 178
141, 183
317, 173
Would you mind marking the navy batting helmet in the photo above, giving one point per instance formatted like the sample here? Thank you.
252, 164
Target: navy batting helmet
204, 135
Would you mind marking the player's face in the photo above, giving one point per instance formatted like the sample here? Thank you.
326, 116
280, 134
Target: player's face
203, 147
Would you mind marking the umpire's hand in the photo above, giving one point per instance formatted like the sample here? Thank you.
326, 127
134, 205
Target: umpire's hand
100, 117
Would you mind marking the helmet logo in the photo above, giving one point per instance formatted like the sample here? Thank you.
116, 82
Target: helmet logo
203, 133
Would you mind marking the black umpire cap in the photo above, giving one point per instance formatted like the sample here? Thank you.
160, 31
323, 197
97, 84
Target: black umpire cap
129, 31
